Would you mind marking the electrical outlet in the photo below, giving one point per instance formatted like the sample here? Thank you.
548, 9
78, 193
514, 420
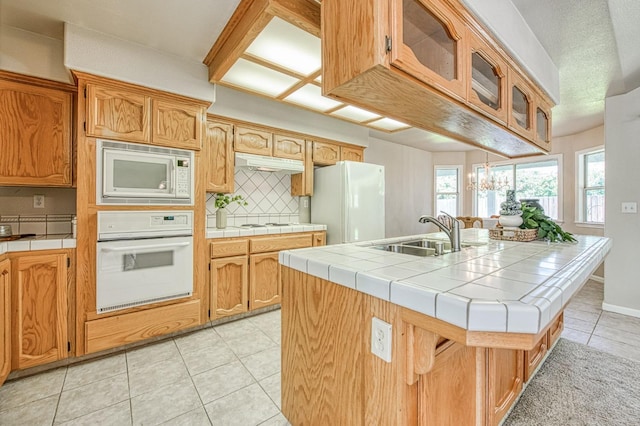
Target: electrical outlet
38, 201
381, 339
629, 207
305, 203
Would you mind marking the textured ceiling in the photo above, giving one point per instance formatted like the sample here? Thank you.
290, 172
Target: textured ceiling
592, 42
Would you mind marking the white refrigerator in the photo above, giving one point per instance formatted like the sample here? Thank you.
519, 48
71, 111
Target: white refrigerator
348, 197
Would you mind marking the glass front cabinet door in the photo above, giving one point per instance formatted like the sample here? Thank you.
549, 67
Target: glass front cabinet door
520, 106
429, 44
543, 124
487, 79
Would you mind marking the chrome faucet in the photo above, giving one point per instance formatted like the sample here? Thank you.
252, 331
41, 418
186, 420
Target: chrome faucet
453, 233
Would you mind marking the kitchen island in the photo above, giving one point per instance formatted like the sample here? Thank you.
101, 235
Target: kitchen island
467, 328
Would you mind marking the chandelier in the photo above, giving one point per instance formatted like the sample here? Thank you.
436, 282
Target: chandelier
488, 182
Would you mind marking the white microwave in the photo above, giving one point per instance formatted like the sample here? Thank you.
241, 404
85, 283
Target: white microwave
136, 174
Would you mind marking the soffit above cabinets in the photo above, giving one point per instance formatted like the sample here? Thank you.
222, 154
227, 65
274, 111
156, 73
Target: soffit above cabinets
272, 48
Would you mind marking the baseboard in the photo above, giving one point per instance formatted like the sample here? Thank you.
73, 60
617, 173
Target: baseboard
597, 279
621, 310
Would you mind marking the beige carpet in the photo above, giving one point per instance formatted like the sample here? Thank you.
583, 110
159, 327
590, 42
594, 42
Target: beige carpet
578, 385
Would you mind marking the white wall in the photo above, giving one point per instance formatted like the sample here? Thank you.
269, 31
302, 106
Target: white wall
108, 56
622, 130
408, 186
32, 54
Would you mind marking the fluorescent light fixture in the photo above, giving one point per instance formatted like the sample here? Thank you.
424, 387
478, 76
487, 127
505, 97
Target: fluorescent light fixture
388, 124
318, 79
310, 96
354, 113
288, 46
254, 77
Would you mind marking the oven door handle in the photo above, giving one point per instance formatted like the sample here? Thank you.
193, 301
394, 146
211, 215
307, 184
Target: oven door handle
154, 246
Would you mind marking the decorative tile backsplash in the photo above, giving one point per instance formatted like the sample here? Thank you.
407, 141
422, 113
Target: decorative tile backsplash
38, 224
268, 197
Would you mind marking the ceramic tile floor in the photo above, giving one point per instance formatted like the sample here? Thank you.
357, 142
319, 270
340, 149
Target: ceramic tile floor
226, 375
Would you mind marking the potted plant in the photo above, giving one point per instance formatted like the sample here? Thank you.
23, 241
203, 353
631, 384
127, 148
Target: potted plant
534, 218
221, 203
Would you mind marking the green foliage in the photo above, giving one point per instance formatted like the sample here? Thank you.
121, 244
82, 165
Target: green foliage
533, 218
223, 200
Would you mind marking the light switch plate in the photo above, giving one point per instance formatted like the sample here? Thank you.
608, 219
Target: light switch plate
629, 207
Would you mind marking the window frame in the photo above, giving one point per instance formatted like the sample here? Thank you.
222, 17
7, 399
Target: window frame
581, 188
458, 194
512, 179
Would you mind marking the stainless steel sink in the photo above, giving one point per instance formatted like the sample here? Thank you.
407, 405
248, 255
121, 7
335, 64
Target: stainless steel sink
422, 247
406, 249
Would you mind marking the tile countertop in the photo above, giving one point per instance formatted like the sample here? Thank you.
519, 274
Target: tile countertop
236, 231
39, 242
502, 286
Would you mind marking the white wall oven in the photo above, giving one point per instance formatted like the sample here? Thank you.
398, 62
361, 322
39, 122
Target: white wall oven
143, 257
135, 174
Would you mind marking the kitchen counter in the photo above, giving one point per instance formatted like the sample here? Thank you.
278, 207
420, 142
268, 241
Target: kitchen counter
237, 231
376, 337
39, 242
498, 286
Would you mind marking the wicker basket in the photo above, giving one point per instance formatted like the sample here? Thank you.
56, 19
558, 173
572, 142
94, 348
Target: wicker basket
513, 234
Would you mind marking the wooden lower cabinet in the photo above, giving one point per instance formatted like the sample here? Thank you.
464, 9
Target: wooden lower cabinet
5, 319
319, 239
264, 282
229, 286
39, 304
555, 329
533, 357
504, 381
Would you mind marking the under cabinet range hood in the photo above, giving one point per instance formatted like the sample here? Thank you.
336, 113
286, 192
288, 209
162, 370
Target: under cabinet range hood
261, 163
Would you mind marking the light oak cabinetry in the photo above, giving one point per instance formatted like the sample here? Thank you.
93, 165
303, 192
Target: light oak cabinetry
302, 183
35, 131
39, 303
325, 154
425, 62
116, 113
252, 141
319, 239
229, 277
504, 381
533, 357
218, 143
288, 147
131, 113
352, 153
245, 272
5, 319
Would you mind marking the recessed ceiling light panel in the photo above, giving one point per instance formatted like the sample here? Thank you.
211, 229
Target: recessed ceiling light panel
310, 96
388, 124
288, 46
254, 77
354, 113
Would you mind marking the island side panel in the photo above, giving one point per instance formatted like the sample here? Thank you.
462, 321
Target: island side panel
322, 351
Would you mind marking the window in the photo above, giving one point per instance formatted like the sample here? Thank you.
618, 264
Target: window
530, 179
590, 191
447, 189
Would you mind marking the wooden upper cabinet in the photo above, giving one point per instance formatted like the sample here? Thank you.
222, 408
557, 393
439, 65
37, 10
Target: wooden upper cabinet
220, 159
177, 124
39, 303
288, 147
118, 114
35, 135
252, 141
350, 153
543, 124
430, 44
521, 106
487, 79
325, 154
5, 319
302, 183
